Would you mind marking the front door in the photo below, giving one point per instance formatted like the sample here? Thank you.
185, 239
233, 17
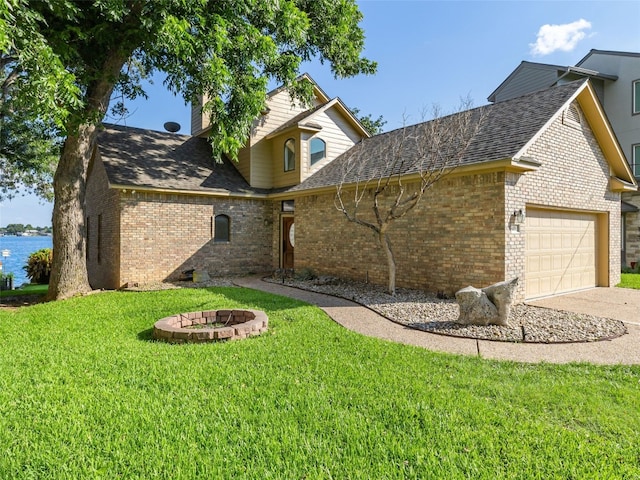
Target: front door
288, 241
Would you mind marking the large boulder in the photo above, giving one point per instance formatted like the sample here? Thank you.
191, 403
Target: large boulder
488, 306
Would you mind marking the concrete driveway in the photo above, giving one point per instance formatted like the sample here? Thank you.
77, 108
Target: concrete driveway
619, 303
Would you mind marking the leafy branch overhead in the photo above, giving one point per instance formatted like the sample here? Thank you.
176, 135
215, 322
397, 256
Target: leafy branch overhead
70, 57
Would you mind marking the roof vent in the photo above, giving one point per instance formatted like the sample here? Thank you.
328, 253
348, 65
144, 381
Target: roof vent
571, 116
172, 127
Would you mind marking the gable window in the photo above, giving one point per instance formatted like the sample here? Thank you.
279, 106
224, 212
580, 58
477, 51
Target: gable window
318, 150
636, 96
289, 155
221, 228
636, 160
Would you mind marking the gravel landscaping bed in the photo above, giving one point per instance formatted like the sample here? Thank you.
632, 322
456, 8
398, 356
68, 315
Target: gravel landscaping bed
422, 311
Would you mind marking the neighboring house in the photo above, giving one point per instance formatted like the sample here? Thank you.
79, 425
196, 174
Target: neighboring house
157, 204
615, 77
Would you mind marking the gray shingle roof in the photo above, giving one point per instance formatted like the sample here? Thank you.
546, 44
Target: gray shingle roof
145, 158
504, 129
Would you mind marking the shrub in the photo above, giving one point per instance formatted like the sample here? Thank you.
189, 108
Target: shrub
38, 266
6, 281
632, 270
305, 274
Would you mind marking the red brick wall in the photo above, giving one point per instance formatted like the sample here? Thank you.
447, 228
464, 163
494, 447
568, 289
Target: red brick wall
163, 235
453, 238
103, 213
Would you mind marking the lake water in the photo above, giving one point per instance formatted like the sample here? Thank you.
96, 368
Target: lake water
19, 250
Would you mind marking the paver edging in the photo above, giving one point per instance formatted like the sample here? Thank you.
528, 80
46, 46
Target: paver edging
236, 325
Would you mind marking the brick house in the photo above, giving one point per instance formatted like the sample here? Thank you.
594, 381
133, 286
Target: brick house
537, 196
615, 77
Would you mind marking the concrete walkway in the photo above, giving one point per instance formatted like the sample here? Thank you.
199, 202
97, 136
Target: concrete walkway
622, 304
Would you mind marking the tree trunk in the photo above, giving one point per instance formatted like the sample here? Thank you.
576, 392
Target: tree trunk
391, 262
69, 270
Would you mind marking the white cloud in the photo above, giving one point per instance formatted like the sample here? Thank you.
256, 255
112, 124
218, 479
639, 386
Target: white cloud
559, 37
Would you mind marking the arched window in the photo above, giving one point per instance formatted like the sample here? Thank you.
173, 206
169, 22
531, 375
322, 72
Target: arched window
221, 228
289, 155
318, 150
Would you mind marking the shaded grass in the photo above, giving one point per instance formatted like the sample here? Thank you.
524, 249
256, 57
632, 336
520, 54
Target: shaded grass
629, 280
25, 290
85, 393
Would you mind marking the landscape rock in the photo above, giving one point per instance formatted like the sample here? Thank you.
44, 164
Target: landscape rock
487, 306
200, 276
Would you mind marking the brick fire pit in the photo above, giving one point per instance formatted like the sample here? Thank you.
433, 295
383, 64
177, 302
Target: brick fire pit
210, 326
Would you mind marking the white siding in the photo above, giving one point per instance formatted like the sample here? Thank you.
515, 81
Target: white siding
244, 163
198, 120
281, 111
267, 167
338, 135
261, 168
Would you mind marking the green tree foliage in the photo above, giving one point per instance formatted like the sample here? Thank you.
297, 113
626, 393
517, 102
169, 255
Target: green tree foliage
29, 152
31, 112
374, 127
14, 228
77, 52
38, 266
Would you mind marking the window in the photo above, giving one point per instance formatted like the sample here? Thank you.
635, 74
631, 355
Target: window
635, 165
289, 155
288, 206
636, 96
221, 229
318, 150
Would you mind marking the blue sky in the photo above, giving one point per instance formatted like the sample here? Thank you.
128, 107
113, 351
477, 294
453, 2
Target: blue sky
428, 52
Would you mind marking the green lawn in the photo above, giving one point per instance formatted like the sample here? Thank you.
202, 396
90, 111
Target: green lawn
629, 280
25, 290
85, 393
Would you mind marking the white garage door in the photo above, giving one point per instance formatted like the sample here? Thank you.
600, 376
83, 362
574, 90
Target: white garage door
560, 252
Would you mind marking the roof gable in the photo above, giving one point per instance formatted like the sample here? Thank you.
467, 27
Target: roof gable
506, 130
304, 120
622, 176
317, 91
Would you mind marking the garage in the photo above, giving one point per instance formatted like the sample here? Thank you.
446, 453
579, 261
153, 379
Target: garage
561, 252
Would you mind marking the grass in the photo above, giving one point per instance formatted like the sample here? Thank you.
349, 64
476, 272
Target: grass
629, 280
85, 393
25, 290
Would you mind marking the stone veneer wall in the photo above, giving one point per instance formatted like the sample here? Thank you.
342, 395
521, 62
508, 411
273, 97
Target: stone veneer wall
103, 213
574, 176
163, 235
453, 238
